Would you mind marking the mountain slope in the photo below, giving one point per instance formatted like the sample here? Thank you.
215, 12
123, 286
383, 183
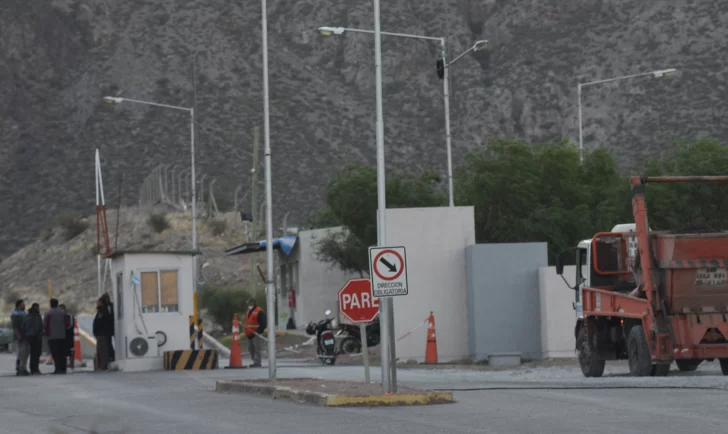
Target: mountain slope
59, 57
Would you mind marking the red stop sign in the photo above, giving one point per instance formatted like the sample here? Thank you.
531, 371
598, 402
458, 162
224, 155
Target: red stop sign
356, 301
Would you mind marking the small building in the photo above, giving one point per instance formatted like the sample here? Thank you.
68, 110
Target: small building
153, 300
305, 286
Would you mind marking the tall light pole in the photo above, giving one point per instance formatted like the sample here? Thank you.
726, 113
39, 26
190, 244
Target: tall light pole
191, 111
656, 74
269, 288
443, 66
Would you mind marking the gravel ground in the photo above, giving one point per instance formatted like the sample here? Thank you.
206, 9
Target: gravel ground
335, 387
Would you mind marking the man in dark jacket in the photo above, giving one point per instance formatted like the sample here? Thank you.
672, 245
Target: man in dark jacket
22, 348
33, 326
56, 323
102, 328
110, 306
69, 335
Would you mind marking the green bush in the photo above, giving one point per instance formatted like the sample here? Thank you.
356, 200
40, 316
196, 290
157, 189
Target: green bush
158, 222
222, 304
72, 225
217, 227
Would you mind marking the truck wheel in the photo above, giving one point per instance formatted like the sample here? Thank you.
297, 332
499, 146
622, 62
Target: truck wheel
687, 365
591, 366
724, 366
638, 353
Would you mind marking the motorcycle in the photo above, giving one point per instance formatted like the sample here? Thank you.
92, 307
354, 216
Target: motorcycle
325, 341
352, 344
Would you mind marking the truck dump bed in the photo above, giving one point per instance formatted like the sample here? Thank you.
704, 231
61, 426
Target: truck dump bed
692, 270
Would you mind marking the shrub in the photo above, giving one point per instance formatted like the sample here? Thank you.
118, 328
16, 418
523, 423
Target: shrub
158, 222
10, 297
72, 225
218, 227
222, 304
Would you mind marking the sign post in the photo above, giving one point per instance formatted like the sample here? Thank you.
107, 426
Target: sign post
388, 271
360, 307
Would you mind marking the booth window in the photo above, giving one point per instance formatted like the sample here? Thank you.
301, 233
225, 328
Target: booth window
160, 291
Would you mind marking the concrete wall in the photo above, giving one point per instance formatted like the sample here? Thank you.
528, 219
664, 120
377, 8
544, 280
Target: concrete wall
435, 239
557, 314
503, 298
318, 282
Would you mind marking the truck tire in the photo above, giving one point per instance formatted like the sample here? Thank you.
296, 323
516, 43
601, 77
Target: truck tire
724, 366
590, 365
687, 365
638, 353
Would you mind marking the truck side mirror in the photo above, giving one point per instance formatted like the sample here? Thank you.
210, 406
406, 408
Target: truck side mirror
560, 264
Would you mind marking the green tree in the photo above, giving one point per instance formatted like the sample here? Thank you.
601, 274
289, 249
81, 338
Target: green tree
351, 202
687, 207
527, 193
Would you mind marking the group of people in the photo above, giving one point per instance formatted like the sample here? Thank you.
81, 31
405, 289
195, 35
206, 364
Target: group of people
29, 328
57, 325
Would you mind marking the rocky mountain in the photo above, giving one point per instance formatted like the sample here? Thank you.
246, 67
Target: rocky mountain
58, 58
70, 264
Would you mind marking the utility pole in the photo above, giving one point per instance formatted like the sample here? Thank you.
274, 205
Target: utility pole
254, 214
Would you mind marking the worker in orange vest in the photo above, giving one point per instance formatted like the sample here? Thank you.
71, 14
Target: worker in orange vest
255, 323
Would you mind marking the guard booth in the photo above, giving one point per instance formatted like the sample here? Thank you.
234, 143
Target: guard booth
153, 300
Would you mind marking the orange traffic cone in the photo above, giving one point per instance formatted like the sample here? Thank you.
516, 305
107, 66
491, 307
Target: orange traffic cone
76, 343
236, 355
431, 348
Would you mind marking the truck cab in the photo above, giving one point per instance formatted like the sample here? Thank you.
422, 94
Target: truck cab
586, 275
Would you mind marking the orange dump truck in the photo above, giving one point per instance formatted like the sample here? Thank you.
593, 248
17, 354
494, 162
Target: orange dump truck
651, 297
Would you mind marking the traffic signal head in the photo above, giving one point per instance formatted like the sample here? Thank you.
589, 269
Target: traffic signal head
440, 69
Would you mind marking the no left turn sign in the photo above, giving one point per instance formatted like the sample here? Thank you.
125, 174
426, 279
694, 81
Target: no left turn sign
388, 271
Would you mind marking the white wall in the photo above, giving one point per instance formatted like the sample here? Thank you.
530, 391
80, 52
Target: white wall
318, 282
174, 325
436, 239
557, 314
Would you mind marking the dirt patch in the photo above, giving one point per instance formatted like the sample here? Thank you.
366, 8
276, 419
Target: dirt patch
335, 387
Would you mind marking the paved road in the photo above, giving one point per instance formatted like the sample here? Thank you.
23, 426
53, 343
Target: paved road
184, 402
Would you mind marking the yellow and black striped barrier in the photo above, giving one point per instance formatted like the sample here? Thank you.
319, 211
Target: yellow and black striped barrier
199, 334
192, 332
190, 360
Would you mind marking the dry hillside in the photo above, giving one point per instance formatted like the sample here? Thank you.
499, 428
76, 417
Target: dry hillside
71, 265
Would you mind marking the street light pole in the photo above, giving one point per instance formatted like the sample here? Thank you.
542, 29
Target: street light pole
656, 74
191, 111
269, 288
385, 302
446, 92
479, 45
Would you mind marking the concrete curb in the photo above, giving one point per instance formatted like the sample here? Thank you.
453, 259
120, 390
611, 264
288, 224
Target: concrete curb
327, 400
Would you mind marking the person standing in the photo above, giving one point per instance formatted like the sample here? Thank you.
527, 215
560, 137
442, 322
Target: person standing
110, 307
56, 323
22, 349
33, 326
70, 348
102, 328
255, 323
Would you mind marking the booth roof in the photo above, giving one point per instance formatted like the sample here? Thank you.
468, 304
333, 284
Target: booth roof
284, 244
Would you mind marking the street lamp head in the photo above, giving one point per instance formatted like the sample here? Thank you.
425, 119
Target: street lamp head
664, 73
480, 45
113, 99
328, 31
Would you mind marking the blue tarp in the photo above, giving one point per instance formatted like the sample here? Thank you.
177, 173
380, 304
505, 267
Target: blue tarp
284, 243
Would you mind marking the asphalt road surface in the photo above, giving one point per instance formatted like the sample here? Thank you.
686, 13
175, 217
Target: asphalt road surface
185, 402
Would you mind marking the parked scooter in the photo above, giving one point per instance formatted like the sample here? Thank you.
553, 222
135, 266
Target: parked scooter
351, 344
325, 342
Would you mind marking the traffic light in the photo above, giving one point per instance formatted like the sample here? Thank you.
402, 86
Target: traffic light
440, 69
